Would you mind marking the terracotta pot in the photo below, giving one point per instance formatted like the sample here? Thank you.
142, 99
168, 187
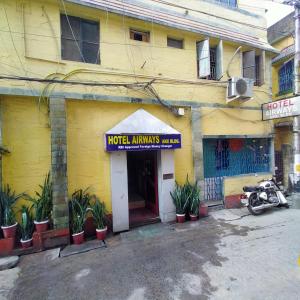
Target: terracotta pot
26, 243
9, 231
101, 233
203, 210
180, 218
41, 226
6, 246
193, 217
78, 238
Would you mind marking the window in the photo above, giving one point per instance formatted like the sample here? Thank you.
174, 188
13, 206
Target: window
286, 77
174, 43
231, 3
210, 60
79, 39
253, 66
142, 36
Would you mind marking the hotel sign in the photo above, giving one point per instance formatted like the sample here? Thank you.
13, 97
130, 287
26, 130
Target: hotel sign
136, 142
281, 109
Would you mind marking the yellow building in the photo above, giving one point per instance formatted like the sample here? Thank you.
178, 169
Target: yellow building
84, 84
281, 37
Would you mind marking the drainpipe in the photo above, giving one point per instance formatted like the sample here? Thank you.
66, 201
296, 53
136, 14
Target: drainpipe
296, 120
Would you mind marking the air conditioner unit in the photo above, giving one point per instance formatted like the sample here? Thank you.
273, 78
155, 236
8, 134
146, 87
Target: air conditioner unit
239, 89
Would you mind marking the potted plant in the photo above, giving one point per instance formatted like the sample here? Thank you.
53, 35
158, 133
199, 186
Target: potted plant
8, 218
26, 226
180, 200
78, 207
194, 202
42, 205
99, 215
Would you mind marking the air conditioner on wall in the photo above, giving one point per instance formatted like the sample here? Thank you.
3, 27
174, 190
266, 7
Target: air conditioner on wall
239, 89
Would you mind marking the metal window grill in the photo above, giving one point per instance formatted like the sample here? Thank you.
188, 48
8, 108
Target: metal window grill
213, 63
286, 77
231, 157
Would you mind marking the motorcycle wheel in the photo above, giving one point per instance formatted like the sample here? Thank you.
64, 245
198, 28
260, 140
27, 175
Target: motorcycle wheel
254, 201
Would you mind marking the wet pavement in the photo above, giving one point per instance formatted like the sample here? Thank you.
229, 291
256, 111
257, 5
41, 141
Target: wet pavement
229, 255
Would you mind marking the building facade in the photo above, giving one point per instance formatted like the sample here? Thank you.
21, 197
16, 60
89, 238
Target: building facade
281, 36
85, 84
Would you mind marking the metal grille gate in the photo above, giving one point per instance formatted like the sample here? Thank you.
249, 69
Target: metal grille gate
231, 157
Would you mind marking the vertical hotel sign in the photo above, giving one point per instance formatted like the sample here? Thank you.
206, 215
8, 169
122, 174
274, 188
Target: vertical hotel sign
281, 109
136, 142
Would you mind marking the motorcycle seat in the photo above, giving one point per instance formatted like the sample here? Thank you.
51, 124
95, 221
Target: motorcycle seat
252, 188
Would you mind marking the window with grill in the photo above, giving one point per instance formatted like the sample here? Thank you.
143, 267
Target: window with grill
230, 3
213, 64
254, 66
209, 60
79, 39
175, 43
286, 77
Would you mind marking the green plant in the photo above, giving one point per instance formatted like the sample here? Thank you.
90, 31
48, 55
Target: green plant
8, 198
180, 198
27, 224
99, 213
194, 199
78, 207
42, 203
78, 215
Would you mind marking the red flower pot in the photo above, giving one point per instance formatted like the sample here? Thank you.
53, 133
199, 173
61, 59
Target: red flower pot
78, 238
180, 218
26, 243
9, 231
41, 226
193, 217
6, 246
101, 233
203, 210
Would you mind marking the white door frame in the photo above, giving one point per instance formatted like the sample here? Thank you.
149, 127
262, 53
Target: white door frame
119, 188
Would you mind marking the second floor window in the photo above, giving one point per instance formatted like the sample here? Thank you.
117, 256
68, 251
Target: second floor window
210, 60
286, 77
79, 39
253, 67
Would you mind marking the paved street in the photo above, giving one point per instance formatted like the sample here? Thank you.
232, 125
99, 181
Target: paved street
230, 255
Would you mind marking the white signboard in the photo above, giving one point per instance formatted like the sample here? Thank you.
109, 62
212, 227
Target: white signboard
281, 109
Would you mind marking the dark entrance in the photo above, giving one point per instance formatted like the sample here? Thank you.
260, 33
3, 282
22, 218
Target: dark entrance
142, 187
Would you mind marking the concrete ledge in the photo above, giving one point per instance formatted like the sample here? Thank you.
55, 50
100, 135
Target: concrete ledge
8, 262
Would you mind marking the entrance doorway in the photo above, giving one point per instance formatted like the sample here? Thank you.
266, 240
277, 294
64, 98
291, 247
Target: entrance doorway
142, 187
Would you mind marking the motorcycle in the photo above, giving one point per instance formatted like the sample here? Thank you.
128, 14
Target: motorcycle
266, 195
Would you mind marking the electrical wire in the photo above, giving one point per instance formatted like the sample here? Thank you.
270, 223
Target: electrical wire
15, 48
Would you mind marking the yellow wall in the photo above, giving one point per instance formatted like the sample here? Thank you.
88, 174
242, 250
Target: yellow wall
89, 163
234, 185
26, 134
25, 127
283, 135
40, 50
233, 122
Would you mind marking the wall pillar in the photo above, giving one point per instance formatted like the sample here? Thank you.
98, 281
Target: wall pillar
197, 148
287, 157
59, 162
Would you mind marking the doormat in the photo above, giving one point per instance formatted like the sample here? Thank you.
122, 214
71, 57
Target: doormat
84, 247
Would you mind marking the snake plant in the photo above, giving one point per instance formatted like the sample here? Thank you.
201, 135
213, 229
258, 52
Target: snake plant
27, 224
42, 202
